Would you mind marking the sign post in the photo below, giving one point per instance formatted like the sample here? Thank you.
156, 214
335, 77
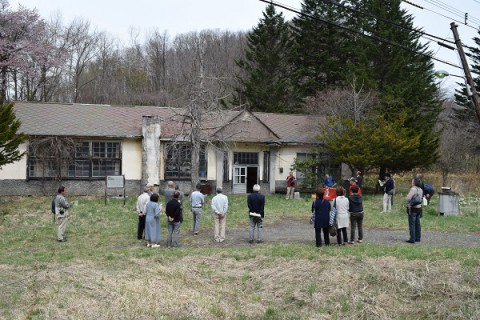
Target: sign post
115, 182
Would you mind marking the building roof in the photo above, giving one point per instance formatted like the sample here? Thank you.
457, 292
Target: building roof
83, 120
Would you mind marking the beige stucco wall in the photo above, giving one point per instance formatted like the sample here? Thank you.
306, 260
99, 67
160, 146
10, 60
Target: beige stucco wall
286, 159
132, 159
18, 169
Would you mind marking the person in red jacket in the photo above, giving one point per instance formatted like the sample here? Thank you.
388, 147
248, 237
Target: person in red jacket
291, 180
353, 183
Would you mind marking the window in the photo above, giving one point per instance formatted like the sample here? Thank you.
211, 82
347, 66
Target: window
266, 166
245, 158
90, 159
178, 161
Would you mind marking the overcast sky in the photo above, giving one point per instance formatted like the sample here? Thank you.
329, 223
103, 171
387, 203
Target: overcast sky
117, 17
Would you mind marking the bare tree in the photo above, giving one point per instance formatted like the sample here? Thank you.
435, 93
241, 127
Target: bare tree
455, 141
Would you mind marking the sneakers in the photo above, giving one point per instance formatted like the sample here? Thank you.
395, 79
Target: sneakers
195, 233
155, 245
359, 241
62, 240
250, 241
351, 242
149, 245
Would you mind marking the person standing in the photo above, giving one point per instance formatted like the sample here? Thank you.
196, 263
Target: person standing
291, 181
359, 179
342, 205
414, 211
169, 191
388, 193
197, 200
61, 213
180, 200
355, 207
321, 218
353, 182
256, 206
142, 201
173, 211
220, 208
153, 233
328, 182
150, 189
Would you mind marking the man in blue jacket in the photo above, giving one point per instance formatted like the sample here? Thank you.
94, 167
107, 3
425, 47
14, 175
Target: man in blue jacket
256, 205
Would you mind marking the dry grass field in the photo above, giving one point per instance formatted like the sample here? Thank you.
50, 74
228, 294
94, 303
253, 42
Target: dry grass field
103, 272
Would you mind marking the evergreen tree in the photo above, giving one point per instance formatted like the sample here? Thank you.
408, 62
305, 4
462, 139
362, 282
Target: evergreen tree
322, 51
9, 138
403, 75
266, 85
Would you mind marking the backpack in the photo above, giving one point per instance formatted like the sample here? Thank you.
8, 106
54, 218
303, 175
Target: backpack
428, 188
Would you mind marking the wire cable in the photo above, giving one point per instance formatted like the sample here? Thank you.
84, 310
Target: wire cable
450, 18
453, 10
358, 32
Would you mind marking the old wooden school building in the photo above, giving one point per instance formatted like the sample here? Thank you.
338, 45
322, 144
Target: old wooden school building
148, 145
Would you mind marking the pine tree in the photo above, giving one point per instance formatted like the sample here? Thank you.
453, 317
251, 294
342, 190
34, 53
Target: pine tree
266, 85
321, 50
9, 138
398, 67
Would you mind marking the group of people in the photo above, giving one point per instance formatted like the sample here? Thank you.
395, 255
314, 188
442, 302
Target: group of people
149, 211
342, 212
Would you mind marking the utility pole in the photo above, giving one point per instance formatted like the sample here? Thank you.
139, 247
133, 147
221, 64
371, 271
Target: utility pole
466, 69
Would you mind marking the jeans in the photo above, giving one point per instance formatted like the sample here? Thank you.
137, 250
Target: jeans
414, 226
356, 218
197, 214
173, 232
258, 222
318, 236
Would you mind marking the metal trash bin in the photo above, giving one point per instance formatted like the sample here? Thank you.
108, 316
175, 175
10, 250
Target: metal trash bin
448, 202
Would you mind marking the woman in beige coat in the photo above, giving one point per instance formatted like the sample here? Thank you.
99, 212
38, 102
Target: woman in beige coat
341, 205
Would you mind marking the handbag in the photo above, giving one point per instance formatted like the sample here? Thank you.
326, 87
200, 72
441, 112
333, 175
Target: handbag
415, 201
332, 229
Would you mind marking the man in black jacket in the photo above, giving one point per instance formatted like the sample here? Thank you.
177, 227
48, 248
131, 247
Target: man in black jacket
356, 215
173, 211
388, 189
256, 205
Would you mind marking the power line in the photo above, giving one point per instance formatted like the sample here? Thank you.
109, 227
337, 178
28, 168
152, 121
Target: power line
450, 18
357, 32
388, 21
453, 10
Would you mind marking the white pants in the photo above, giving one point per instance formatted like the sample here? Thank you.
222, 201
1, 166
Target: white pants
387, 202
220, 225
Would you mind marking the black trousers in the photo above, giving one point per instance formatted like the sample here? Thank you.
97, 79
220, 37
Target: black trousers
318, 236
340, 232
141, 227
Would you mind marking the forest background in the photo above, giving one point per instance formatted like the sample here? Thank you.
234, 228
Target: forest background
360, 64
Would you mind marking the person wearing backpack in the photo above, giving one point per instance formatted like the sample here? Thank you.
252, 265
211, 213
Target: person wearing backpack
414, 210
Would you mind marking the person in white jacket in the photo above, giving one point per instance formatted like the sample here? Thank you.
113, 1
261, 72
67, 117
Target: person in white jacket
220, 208
341, 205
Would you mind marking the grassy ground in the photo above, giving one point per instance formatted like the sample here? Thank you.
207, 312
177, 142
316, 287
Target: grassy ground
104, 272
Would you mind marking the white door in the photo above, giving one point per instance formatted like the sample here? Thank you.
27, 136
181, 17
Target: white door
239, 179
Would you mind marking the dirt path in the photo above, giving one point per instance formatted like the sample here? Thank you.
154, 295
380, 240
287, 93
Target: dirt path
302, 232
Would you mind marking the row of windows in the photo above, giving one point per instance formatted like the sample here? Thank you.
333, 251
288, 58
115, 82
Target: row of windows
90, 159
103, 158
